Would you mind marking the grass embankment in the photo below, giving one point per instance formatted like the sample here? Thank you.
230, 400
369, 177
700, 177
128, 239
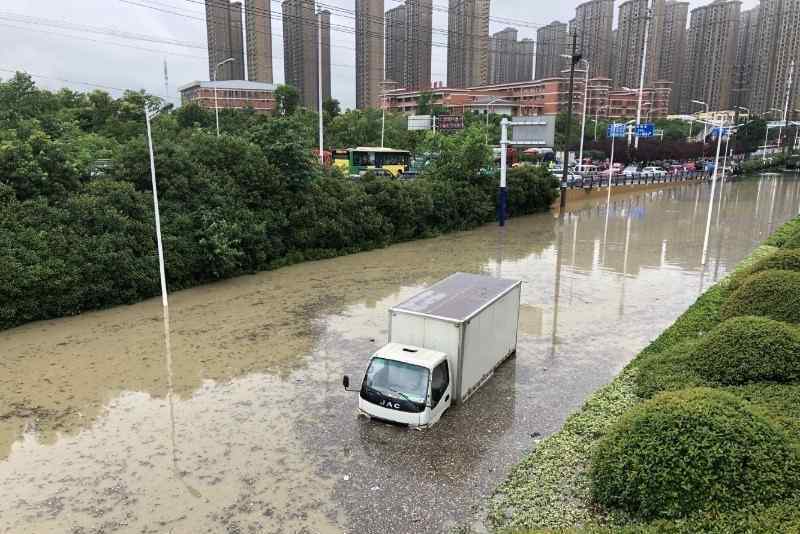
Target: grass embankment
699, 433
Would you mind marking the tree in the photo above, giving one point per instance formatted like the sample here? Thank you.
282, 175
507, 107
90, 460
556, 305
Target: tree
331, 107
286, 100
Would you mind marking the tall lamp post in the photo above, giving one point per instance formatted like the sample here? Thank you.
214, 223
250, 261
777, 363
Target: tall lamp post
574, 59
583, 120
384, 83
648, 17
319, 89
786, 105
216, 102
148, 115
596, 117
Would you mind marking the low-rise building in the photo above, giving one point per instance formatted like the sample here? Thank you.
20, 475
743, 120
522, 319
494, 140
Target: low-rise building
230, 94
548, 96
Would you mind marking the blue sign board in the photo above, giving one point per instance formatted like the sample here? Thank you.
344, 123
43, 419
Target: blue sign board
616, 129
647, 129
716, 132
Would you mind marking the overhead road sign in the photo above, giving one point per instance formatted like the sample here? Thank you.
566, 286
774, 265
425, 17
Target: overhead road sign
617, 129
646, 129
533, 131
419, 122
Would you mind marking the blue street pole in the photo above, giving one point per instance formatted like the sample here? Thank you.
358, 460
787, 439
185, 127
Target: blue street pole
503, 193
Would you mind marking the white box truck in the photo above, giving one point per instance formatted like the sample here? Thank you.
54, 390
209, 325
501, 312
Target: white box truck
444, 343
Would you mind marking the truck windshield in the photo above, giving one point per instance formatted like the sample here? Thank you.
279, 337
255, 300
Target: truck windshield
403, 385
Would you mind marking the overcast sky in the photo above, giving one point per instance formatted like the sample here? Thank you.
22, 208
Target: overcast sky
59, 40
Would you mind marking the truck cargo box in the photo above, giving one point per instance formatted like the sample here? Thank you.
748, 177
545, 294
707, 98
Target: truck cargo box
471, 318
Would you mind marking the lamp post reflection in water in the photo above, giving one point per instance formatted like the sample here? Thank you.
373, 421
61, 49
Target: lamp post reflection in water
171, 402
559, 255
625, 265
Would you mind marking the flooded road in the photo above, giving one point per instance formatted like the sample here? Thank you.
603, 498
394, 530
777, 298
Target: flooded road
235, 420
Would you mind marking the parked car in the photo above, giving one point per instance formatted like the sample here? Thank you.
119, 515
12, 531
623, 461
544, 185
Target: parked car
630, 171
653, 172
588, 169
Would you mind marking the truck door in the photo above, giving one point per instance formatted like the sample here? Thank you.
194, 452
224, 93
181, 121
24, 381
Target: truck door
441, 391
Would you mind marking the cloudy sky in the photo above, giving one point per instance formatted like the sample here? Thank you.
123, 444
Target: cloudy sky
119, 44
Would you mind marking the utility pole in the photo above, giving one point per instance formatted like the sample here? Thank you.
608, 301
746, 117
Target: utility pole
583, 120
149, 114
786, 107
575, 58
166, 82
647, 18
319, 86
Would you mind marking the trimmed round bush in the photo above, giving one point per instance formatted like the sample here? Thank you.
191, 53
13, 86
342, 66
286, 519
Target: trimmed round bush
783, 259
668, 371
774, 294
748, 349
793, 242
696, 450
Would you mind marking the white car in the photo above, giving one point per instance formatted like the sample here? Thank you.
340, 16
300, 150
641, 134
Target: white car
630, 171
654, 172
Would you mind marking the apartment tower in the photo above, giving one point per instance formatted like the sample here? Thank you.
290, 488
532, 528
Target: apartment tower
711, 56
777, 44
672, 55
224, 32
633, 17
395, 46
551, 42
258, 29
300, 45
468, 43
369, 53
418, 44
745, 58
594, 23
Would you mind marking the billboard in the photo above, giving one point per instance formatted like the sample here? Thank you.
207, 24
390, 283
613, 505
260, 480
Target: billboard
533, 131
450, 122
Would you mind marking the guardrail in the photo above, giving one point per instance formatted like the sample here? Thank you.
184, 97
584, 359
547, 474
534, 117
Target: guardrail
600, 179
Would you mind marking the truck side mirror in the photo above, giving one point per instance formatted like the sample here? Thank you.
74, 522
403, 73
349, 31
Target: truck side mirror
346, 382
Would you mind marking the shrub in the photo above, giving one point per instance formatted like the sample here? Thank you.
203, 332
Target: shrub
793, 242
667, 371
785, 260
748, 349
773, 293
782, 234
696, 450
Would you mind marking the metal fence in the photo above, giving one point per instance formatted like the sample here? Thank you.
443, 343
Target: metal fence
600, 179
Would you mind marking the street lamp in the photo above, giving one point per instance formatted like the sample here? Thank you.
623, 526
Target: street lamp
583, 121
384, 83
705, 124
648, 16
596, 117
150, 113
216, 102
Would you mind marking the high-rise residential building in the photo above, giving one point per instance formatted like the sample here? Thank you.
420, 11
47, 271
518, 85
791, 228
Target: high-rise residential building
551, 42
672, 55
631, 25
300, 45
395, 46
594, 23
777, 44
258, 29
524, 57
711, 55
222, 20
502, 55
369, 53
468, 43
510, 60
237, 40
745, 57
418, 44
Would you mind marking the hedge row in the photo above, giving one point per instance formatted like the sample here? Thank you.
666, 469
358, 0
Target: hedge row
694, 450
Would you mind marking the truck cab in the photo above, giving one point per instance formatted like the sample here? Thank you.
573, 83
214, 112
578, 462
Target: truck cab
406, 384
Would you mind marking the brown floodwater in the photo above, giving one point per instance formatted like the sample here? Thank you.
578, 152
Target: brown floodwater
229, 416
